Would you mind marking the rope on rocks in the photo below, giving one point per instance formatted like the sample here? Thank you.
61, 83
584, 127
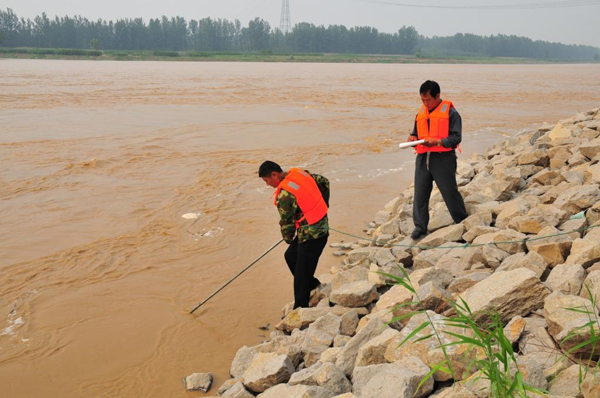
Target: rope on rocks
468, 245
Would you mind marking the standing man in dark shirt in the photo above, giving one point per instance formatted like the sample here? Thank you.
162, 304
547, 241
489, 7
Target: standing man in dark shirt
440, 125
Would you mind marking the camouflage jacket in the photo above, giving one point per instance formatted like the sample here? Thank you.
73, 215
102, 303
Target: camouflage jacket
290, 212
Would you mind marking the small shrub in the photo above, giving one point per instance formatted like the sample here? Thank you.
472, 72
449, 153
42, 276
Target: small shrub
494, 364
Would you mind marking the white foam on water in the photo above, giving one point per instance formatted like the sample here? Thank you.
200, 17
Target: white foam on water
14, 324
382, 172
208, 233
192, 216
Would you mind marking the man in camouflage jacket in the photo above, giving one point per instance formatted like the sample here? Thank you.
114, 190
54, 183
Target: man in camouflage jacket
306, 241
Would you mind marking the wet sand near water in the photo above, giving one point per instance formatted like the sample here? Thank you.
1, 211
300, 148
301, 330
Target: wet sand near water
99, 161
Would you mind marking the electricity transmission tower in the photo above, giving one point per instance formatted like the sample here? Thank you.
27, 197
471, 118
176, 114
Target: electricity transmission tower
285, 24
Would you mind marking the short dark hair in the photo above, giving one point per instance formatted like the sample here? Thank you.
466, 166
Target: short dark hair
267, 168
430, 87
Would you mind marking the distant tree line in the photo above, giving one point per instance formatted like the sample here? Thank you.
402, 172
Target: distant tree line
506, 46
178, 34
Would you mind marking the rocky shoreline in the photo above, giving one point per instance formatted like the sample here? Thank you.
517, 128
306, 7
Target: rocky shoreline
527, 256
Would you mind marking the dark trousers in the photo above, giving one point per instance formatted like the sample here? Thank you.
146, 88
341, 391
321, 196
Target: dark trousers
302, 259
442, 170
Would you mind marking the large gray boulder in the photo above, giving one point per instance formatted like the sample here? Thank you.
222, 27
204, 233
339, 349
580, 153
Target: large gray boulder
532, 261
537, 157
438, 274
354, 274
432, 296
349, 323
578, 198
532, 374
373, 352
376, 274
553, 248
267, 370
538, 346
591, 284
514, 329
347, 357
395, 296
590, 149
590, 388
592, 175
464, 170
227, 385
480, 219
395, 380
452, 233
440, 217
584, 252
328, 325
462, 283
330, 354
455, 391
565, 324
508, 240
566, 383
302, 317
428, 258
366, 255
428, 349
325, 375
538, 218
355, 294
237, 391
297, 391
566, 278
511, 209
199, 381
592, 215
510, 293
242, 361
319, 336
548, 177
474, 232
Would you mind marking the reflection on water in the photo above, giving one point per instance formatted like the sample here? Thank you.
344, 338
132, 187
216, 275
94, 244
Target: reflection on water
129, 193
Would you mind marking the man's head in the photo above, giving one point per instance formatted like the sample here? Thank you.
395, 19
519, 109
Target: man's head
430, 94
271, 173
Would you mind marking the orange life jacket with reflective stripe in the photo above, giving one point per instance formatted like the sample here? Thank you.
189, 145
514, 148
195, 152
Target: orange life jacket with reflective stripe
310, 200
434, 125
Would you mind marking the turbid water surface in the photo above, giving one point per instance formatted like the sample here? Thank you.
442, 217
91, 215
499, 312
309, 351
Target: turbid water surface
99, 161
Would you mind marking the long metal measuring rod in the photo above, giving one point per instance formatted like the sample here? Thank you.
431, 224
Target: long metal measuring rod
235, 277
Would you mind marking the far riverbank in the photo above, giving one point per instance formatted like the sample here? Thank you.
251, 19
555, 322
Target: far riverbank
266, 56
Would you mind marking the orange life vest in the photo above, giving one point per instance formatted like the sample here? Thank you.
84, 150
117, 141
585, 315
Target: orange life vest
310, 200
438, 126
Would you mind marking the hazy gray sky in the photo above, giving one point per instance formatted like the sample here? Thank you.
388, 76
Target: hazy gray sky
572, 25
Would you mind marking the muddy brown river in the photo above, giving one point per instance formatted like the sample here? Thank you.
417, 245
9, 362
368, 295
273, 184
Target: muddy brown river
99, 161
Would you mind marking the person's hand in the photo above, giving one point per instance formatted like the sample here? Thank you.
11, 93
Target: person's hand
432, 142
411, 138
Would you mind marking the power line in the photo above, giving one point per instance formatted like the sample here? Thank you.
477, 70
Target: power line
517, 6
